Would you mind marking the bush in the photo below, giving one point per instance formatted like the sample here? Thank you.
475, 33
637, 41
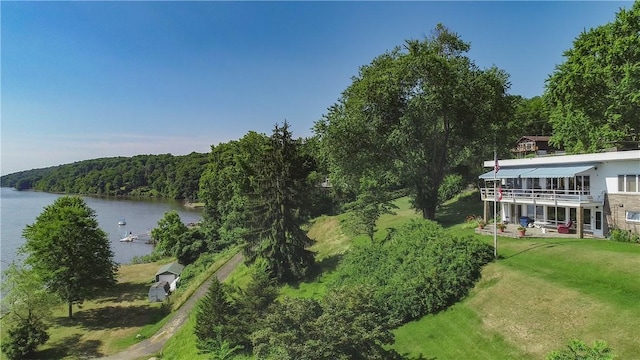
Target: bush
24, 338
420, 270
578, 350
624, 236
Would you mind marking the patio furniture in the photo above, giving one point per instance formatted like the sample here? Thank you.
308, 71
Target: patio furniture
564, 229
525, 220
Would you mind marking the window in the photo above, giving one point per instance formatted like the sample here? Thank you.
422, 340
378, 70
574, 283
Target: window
632, 216
631, 183
628, 183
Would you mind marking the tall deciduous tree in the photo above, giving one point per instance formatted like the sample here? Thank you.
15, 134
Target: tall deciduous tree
415, 113
69, 252
594, 96
275, 203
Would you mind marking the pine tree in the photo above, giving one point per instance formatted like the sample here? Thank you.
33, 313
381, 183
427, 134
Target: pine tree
275, 205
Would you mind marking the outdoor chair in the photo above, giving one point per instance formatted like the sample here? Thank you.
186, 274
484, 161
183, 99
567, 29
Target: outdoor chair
564, 229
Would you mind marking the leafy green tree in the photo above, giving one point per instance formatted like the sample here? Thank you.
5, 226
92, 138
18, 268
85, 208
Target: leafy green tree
274, 220
594, 95
531, 117
346, 324
369, 205
190, 246
415, 114
354, 326
26, 307
69, 252
225, 185
579, 350
287, 331
166, 235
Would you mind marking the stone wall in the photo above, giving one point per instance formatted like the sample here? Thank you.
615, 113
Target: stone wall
615, 209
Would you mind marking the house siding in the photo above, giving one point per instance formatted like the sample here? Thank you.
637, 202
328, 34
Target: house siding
616, 207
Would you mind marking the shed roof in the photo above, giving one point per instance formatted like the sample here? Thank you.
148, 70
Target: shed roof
173, 268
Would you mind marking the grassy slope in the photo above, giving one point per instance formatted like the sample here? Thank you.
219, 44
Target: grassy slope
537, 297
540, 294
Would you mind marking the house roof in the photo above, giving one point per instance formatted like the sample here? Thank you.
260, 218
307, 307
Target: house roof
567, 160
535, 138
537, 172
173, 268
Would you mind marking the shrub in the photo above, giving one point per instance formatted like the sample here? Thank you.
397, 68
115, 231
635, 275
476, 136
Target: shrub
24, 338
420, 270
578, 350
624, 236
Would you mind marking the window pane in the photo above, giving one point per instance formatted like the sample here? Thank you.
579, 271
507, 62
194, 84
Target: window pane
561, 215
633, 216
620, 183
631, 183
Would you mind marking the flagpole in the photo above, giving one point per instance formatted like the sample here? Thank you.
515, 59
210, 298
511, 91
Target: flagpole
495, 205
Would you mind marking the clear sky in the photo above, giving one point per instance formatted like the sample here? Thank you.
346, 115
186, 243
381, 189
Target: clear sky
83, 80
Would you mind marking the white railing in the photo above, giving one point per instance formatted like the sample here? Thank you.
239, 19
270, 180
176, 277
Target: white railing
550, 195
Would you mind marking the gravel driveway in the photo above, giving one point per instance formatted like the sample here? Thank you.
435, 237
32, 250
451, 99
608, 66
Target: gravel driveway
153, 345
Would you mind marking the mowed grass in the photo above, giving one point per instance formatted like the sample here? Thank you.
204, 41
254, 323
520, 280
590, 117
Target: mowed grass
539, 295
109, 323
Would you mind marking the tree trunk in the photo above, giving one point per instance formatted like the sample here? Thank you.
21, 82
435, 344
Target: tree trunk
70, 310
429, 213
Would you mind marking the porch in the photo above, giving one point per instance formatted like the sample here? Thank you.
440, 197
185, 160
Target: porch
511, 230
548, 196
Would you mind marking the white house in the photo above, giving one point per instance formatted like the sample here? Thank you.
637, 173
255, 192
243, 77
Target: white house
595, 192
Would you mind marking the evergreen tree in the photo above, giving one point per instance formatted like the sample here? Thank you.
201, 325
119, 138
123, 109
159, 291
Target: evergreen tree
274, 232
217, 320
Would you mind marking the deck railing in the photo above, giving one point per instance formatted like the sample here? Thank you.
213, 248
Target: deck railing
547, 195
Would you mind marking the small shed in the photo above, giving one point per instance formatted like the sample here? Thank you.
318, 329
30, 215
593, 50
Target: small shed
158, 291
169, 272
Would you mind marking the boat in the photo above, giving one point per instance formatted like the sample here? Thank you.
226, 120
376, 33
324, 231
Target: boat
129, 238
122, 222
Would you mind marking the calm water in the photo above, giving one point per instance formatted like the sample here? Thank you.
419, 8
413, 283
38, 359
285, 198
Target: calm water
20, 208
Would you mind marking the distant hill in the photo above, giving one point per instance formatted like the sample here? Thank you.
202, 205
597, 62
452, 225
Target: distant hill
167, 176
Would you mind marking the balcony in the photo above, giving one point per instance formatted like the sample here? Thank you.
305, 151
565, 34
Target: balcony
544, 196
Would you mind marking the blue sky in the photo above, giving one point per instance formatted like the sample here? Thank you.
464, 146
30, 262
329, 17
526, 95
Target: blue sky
83, 80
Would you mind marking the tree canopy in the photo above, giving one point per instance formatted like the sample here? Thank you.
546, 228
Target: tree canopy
594, 95
68, 251
413, 115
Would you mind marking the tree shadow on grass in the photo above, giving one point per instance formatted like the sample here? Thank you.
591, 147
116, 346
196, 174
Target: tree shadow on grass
112, 317
71, 346
419, 357
325, 265
123, 292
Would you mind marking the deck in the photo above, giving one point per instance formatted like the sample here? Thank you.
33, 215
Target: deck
512, 231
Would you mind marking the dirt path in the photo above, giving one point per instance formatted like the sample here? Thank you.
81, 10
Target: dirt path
154, 344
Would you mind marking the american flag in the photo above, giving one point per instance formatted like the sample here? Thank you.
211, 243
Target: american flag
496, 166
500, 193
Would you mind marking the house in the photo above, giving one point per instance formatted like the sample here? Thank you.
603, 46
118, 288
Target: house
159, 291
171, 274
595, 192
538, 145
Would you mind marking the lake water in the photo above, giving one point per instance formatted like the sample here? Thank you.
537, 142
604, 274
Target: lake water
20, 208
